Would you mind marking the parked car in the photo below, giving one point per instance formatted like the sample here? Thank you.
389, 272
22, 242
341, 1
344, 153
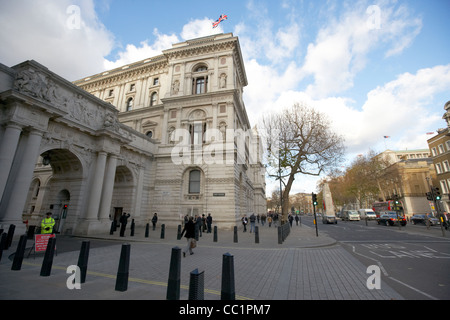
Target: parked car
368, 214
329, 219
350, 215
389, 218
422, 218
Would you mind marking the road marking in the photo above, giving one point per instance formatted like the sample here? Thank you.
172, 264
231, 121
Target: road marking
387, 275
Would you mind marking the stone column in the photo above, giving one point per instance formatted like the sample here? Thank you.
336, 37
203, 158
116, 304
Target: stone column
8, 147
108, 188
96, 187
21, 184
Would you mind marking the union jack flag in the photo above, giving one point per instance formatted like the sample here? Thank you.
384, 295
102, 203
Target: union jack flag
222, 17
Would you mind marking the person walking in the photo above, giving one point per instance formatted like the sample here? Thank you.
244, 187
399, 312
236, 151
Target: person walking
209, 222
47, 224
154, 220
245, 222
123, 223
189, 228
252, 222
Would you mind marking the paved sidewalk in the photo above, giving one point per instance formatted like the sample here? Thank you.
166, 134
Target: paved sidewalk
303, 267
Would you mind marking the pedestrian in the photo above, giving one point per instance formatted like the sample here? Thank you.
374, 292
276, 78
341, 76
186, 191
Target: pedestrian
209, 222
189, 228
258, 218
154, 220
263, 219
47, 224
198, 226
290, 218
123, 223
252, 222
269, 220
244, 222
203, 222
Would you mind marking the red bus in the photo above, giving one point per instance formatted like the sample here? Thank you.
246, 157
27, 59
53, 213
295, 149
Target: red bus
389, 205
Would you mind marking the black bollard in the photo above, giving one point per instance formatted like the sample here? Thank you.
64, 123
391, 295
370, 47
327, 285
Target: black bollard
46, 268
163, 231
113, 227
228, 290
196, 285
10, 236
173, 285
235, 238
280, 236
179, 232
132, 228
147, 230
124, 265
256, 234
2, 244
83, 260
215, 234
20, 252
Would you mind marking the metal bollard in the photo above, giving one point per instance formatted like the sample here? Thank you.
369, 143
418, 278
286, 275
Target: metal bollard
235, 238
113, 227
147, 229
2, 244
132, 228
20, 252
228, 290
179, 232
46, 268
256, 234
280, 236
173, 284
215, 234
10, 235
196, 285
163, 231
83, 260
124, 265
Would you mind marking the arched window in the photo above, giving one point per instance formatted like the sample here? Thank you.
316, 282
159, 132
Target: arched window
130, 104
153, 99
149, 134
194, 181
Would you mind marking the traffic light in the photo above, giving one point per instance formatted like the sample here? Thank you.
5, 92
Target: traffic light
314, 199
437, 194
396, 201
429, 196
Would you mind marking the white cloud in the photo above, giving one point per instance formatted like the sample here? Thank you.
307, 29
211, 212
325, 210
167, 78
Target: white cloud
146, 50
68, 42
342, 47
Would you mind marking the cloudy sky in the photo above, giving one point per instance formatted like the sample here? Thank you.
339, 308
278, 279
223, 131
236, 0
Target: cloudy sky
376, 68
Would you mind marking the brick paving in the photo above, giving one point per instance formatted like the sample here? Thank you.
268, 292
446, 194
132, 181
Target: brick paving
304, 267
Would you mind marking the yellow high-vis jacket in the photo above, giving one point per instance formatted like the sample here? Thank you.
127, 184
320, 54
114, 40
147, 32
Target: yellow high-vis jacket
47, 225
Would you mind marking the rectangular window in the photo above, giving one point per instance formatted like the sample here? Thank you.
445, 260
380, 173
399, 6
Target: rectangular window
155, 81
194, 181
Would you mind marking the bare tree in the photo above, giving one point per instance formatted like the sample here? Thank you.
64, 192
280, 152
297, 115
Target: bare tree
300, 140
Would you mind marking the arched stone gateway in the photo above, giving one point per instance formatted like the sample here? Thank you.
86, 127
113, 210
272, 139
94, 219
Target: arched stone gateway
61, 150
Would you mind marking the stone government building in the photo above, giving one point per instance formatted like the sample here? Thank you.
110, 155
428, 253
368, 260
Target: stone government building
169, 134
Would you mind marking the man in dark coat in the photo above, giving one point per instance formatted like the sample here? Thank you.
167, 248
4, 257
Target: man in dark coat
189, 228
123, 223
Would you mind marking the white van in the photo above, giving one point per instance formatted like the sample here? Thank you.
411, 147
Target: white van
367, 213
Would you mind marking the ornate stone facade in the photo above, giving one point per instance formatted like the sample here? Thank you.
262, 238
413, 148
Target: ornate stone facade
168, 134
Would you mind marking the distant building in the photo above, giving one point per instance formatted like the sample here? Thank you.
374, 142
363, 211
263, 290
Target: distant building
440, 154
407, 175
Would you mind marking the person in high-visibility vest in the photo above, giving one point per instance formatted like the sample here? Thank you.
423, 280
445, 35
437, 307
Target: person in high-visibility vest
47, 224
